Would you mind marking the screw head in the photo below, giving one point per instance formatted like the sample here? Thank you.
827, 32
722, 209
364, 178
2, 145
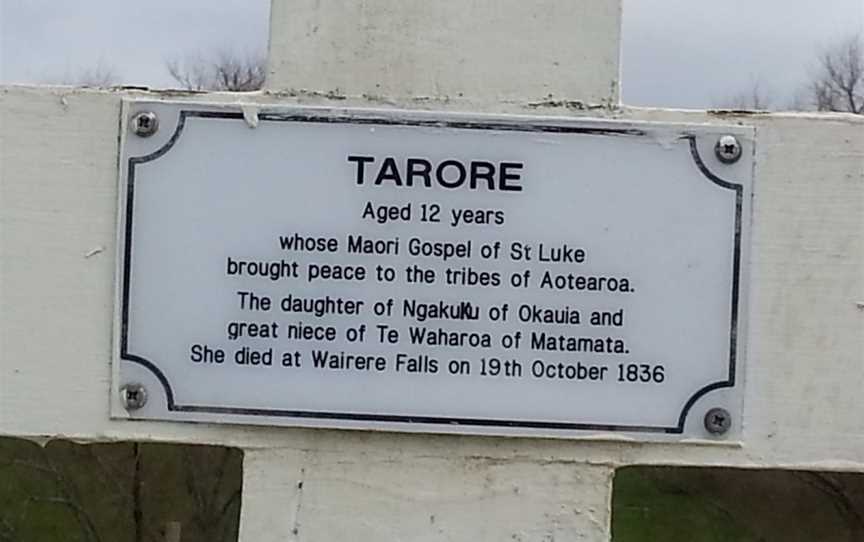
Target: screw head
133, 396
144, 123
718, 421
727, 149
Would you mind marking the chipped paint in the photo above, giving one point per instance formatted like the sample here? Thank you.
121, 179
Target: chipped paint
94, 251
571, 105
250, 114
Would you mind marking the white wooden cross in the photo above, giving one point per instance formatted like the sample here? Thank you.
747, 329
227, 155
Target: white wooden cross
804, 381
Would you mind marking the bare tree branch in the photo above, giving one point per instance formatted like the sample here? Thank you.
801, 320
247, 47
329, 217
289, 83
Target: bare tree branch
64, 487
137, 480
7, 531
838, 82
842, 501
100, 75
97, 77
221, 71
70, 497
82, 515
233, 500
754, 98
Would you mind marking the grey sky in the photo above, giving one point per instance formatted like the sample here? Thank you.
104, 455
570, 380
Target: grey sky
47, 40
677, 53
691, 53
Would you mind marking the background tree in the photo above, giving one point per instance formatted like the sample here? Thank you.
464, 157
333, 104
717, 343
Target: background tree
118, 492
222, 71
838, 82
755, 98
99, 75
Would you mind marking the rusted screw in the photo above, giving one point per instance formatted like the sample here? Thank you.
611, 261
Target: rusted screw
728, 149
718, 421
144, 123
133, 396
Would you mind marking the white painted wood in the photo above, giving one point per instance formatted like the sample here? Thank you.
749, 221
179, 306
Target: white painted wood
388, 495
448, 50
806, 338
58, 195
805, 370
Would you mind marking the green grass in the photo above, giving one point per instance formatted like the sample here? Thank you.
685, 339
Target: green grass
122, 492
645, 509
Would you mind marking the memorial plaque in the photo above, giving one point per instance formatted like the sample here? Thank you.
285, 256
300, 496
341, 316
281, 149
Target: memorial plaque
431, 272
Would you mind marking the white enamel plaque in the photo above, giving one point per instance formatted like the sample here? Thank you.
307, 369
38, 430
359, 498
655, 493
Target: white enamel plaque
431, 272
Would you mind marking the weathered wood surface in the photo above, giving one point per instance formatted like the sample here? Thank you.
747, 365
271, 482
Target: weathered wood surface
804, 374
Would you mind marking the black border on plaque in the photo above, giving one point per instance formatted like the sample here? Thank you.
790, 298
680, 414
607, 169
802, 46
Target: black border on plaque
370, 119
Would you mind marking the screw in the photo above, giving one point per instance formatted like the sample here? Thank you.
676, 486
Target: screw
145, 123
727, 149
134, 396
718, 421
